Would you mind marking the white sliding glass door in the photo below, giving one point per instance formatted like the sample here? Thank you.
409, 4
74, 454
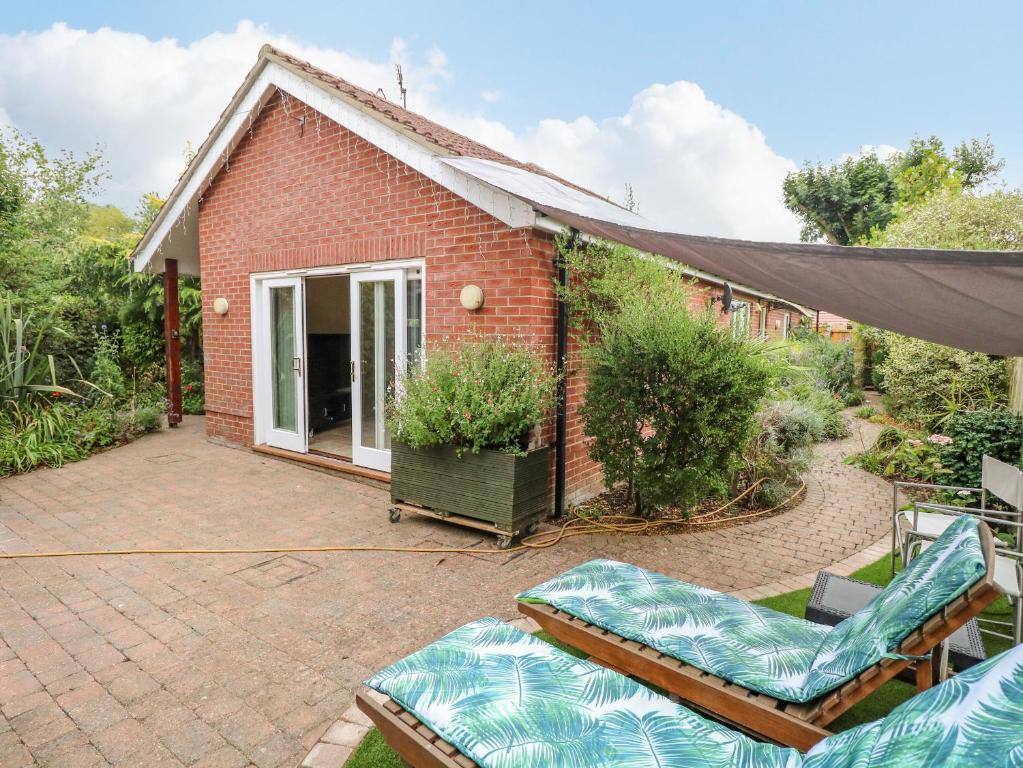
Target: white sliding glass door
282, 400
378, 342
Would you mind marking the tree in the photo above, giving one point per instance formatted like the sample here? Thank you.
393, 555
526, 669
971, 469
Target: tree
964, 221
957, 220
11, 197
846, 202
44, 208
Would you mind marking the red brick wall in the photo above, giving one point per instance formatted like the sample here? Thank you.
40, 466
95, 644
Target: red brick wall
702, 293
322, 196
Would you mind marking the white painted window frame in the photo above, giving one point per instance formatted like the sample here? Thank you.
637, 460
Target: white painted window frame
260, 342
741, 329
263, 404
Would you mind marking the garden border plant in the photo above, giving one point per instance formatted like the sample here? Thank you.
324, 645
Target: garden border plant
44, 423
671, 396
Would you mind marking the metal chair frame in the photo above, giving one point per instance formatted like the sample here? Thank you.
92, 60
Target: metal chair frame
995, 519
901, 542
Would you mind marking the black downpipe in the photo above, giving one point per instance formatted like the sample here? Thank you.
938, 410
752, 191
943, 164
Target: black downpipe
561, 417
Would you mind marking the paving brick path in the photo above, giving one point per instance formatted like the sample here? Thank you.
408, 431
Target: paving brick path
242, 660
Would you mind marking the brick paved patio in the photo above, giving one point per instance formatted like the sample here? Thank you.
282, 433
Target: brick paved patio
248, 659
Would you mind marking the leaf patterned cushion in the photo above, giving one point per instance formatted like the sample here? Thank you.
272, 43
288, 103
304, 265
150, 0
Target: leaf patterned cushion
973, 719
755, 647
510, 700
935, 578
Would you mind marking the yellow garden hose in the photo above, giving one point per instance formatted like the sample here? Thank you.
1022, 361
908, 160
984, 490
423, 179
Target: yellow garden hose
577, 525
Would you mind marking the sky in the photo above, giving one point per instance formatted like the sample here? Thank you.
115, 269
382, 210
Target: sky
702, 108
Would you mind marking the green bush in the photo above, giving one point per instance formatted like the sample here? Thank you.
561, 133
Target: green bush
902, 454
25, 370
866, 411
835, 425
104, 426
670, 400
39, 433
996, 433
820, 400
926, 383
480, 394
793, 424
830, 364
36, 434
853, 398
779, 452
106, 374
193, 390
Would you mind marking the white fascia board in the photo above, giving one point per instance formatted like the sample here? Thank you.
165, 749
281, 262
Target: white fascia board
418, 155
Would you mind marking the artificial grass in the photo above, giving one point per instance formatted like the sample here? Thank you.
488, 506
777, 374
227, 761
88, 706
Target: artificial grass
886, 698
374, 752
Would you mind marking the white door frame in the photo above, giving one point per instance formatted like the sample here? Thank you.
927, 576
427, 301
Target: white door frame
391, 279
259, 327
282, 438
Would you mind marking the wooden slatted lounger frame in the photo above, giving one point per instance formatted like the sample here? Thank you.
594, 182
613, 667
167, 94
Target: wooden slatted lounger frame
794, 725
416, 744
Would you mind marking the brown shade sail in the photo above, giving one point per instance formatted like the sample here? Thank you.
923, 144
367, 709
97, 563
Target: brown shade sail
967, 299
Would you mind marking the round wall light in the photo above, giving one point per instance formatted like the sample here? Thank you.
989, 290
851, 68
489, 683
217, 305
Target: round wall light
220, 305
471, 297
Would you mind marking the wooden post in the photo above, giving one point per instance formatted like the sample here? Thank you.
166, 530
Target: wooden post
1016, 384
172, 340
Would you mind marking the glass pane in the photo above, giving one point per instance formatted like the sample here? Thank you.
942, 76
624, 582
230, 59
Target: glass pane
376, 357
413, 317
282, 321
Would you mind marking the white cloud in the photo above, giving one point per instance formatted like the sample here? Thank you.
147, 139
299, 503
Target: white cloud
882, 151
491, 96
144, 100
693, 164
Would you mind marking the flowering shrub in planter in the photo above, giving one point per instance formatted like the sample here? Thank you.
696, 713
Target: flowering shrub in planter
466, 431
478, 394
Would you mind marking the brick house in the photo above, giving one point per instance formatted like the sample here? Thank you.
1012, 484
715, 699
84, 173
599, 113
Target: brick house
833, 326
334, 232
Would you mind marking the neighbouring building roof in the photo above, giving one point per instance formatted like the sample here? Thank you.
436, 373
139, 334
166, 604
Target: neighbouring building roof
837, 322
968, 299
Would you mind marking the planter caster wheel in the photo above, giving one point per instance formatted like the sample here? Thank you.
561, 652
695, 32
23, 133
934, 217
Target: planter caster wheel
503, 542
533, 527
394, 514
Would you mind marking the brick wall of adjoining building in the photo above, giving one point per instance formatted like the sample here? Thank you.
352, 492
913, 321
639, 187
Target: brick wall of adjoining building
703, 293
297, 196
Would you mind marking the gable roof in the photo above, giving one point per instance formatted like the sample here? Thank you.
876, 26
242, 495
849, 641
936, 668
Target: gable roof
407, 135
499, 184
444, 138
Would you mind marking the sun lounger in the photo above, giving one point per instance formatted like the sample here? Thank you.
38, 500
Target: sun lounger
768, 673
491, 696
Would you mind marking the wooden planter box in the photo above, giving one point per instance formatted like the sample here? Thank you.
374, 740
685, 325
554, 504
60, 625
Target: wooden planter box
494, 487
